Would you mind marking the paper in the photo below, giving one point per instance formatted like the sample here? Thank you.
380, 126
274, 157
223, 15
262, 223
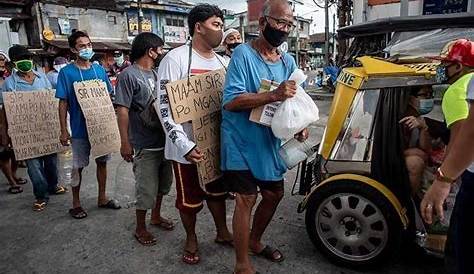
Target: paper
202, 96
264, 114
102, 127
33, 123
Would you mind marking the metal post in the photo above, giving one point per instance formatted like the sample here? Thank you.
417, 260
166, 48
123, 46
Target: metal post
241, 27
297, 43
404, 8
326, 32
140, 16
334, 36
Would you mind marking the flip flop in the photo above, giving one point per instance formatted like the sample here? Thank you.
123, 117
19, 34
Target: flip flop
21, 181
15, 190
111, 204
269, 253
191, 258
39, 206
227, 243
165, 225
78, 213
60, 190
146, 240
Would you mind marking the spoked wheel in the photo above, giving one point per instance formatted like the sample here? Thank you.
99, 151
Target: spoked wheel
353, 224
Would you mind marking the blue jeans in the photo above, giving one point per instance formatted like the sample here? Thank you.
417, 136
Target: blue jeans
461, 231
43, 172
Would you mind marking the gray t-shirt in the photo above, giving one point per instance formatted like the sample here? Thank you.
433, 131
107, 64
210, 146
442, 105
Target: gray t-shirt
133, 91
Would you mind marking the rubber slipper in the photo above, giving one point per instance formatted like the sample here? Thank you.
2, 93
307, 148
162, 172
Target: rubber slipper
191, 258
78, 213
228, 243
146, 239
39, 206
165, 225
60, 190
111, 204
15, 190
269, 253
21, 181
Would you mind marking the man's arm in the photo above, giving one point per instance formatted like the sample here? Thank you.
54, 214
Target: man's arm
126, 149
65, 137
4, 127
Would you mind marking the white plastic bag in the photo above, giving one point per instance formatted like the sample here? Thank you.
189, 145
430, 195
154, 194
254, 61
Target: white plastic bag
295, 113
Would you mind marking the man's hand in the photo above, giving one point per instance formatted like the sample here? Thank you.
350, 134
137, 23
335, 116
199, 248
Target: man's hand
434, 200
65, 138
287, 89
302, 135
195, 156
413, 122
126, 151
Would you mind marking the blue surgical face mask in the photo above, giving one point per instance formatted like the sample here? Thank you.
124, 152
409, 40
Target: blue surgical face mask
426, 106
86, 53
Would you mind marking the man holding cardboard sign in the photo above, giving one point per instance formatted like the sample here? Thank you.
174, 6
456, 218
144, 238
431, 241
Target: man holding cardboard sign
205, 26
41, 160
95, 88
250, 158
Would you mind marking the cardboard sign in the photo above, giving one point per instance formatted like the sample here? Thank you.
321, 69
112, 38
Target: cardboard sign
264, 114
201, 96
207, 137
102, 127
33, 123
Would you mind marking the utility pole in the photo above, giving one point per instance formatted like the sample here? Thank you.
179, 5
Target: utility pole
344, 8
334, 36
140, 16
326, 32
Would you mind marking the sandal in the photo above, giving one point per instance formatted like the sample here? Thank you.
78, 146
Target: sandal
15, 190
39, 206
146, 239
227, 243
60, 190
191, 258
21, 181
111, 204
164, 224
77, 213
271, 254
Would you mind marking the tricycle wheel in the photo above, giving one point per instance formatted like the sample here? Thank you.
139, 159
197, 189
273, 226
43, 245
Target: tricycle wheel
353, 224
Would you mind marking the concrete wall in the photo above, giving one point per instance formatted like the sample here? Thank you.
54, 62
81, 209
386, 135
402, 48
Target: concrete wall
95, 22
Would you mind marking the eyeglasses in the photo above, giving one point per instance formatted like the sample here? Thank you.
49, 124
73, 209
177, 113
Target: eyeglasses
281, 23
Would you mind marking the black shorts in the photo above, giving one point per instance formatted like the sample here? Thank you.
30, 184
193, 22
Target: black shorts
5, 153
243, 182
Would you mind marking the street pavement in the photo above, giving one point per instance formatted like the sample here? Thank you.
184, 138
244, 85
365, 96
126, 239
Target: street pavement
52, 242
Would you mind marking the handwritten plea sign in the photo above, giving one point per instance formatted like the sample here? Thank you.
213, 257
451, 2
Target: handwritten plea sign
33, 123
207, 137
102, 127
202, 96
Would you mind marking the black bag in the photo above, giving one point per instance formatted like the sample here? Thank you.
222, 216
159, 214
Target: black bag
149, 116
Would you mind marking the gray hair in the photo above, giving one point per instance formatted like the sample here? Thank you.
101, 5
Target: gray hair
267, 6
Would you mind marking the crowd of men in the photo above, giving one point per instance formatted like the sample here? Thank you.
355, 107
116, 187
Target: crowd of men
161, 148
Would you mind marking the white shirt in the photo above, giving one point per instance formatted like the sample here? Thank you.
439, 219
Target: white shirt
470, 99
173, 67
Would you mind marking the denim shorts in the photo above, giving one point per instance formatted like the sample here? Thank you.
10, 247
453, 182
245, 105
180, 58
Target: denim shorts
81, 151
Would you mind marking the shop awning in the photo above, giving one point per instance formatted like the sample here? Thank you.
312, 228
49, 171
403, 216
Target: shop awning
98, 46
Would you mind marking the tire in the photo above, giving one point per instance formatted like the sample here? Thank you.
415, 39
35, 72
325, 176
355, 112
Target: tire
353, 224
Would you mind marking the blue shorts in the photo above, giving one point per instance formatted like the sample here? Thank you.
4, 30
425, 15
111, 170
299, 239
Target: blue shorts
81, 151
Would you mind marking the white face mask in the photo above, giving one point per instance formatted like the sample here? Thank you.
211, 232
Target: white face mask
59, 67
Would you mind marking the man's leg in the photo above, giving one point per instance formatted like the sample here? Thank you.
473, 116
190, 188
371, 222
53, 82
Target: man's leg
51, 172
6, 166
101, 174
165, 180
217, 208
241, 228
415, 166
76, 187
189, 224
263, 215
38, 180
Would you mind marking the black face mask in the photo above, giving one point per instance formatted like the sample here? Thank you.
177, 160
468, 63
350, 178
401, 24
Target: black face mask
231, 47
274, 36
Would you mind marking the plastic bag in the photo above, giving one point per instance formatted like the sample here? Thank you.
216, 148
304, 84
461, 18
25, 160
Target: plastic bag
296, 113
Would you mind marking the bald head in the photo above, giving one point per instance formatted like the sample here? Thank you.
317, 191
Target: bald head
276, 6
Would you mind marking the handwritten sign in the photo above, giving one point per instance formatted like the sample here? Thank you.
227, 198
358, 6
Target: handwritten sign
33, 123
102, 127
198, 97
207, 137
264, 114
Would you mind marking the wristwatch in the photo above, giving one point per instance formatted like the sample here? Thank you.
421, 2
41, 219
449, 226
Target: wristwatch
442, 178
